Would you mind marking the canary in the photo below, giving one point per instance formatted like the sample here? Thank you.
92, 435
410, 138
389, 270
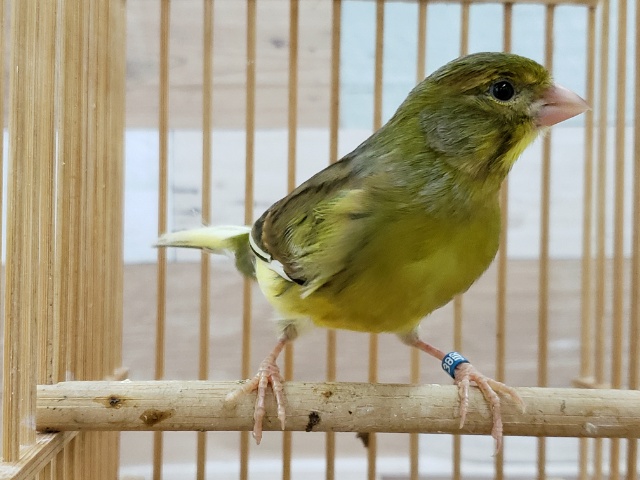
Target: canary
399, 226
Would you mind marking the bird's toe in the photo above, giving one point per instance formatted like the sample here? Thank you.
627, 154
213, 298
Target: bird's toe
490, 389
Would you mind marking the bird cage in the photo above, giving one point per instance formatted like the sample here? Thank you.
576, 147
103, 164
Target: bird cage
125, 120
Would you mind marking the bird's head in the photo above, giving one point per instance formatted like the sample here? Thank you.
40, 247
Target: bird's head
479, 112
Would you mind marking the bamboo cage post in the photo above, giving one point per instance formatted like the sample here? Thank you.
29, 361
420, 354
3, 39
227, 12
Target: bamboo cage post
3, 26
114, 227
73, 126
44, 179
17, 375
634, 321
64, 255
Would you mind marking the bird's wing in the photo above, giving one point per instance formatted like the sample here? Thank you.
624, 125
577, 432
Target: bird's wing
310, 234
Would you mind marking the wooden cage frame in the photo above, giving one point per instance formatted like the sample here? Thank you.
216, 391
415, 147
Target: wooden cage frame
64, 269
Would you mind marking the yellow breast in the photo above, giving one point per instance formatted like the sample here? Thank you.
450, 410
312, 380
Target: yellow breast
409, 269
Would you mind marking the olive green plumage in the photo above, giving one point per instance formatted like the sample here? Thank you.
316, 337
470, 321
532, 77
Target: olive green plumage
402, 224
410, 218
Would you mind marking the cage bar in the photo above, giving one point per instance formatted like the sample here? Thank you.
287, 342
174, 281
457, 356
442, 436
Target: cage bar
371, 440
163, 205
334, 120
205, 305
414, 365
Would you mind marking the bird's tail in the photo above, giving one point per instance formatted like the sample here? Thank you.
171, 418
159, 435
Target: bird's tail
222, 239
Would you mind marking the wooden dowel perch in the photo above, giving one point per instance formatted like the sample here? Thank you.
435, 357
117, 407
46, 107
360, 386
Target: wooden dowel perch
336, 407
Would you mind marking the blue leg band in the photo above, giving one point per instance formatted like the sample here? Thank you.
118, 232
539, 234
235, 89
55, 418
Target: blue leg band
450, 361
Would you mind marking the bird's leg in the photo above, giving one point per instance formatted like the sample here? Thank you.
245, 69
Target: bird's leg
463, 374
268, 373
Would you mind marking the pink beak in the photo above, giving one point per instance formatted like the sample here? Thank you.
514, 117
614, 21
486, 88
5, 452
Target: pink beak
559, 104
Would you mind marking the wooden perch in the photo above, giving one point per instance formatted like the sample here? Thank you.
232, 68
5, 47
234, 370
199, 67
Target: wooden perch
336, 407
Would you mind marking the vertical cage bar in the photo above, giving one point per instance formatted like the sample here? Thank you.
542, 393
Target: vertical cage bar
93, 327
6, 383
618, 226
586, 332
25, 90
114, 163
601, 202
18, 376
334, 124
59, 466
292, 118
11, 379
46, 98
111, 160
205, 306
100, 236
72, 148
414, 367
372, 447
3, 27
91, 201
634, 314
248, 210
543, 285
294, 19
501, 279
586, 303
458, 299
599, 359
163, 187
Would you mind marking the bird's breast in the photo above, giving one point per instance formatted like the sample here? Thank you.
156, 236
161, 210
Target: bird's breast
410, 267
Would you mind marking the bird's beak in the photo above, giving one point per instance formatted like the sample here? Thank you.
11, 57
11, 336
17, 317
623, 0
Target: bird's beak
559, 104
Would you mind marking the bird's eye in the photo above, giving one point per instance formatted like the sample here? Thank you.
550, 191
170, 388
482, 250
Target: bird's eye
503, 91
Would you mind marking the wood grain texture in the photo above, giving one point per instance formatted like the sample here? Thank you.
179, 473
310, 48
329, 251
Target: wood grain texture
338, 407
36, 457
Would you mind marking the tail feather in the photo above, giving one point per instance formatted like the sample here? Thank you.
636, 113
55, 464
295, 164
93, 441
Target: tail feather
220, 239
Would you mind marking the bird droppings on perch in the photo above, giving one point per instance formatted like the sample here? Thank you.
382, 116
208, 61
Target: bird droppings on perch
314, 419
591, 429
353, 407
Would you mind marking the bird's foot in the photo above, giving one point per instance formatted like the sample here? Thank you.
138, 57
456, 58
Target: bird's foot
466, 373
269, 373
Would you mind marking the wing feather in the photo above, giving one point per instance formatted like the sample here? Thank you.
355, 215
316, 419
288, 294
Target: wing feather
313, 231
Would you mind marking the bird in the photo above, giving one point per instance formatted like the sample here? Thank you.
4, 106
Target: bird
398, 227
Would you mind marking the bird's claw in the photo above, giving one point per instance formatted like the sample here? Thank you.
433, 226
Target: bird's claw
269, 373
466, 373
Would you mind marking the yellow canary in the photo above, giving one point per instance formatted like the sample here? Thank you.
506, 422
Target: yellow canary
399, 226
